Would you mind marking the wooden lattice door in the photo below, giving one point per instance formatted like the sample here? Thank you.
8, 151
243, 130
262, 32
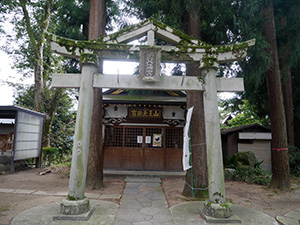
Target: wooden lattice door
143, 148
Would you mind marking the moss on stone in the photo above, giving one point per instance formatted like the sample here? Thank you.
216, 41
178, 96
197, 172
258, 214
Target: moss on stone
225, 205
88, 58
202, 194
209, 61
186, 47
69, 197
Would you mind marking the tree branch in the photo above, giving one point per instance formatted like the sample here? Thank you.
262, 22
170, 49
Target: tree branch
28, 25
45, 22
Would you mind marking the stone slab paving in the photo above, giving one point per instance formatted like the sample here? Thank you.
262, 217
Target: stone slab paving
291, 218
143, 203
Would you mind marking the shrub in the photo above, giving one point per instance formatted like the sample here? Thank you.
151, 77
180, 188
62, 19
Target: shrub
249, 174
294, 158
54, 155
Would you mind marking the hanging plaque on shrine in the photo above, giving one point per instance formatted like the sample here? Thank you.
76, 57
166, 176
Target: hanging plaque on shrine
150, 64
144, 113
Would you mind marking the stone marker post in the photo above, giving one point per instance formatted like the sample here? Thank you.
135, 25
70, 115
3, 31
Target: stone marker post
76, 203
217, 206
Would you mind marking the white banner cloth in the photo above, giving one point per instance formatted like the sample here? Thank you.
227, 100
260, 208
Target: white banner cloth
186, 141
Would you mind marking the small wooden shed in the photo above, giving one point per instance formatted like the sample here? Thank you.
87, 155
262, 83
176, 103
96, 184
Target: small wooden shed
253, 137
21, 133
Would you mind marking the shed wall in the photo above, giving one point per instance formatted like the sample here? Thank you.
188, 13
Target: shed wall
262, 151
28, 136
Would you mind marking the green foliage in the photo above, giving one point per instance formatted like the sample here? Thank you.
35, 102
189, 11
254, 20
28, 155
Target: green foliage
70, 19
63, 127
250, 175
294, 157
50, 155
244, 112
55, 156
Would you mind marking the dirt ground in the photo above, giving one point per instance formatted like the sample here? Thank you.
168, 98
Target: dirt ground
271, 202
11, 204
258, 197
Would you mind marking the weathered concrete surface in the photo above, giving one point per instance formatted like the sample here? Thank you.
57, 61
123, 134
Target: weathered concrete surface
216, 185
80, 151
104, 214
133, 82
189, 214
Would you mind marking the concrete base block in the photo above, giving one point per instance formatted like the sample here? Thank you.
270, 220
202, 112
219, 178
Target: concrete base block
217, 210
230, 220
74, 207
218, 213
81, 217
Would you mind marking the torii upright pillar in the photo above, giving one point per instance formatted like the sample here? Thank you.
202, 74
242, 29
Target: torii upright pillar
216, 207
76, 203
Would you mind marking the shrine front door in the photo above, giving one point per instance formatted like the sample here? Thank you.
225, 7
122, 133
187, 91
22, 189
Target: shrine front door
143, 148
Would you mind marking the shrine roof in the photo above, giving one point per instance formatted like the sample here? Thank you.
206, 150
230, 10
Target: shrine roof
117, 96
136, 92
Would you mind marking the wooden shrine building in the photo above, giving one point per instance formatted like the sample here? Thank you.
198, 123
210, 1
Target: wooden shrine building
143, 132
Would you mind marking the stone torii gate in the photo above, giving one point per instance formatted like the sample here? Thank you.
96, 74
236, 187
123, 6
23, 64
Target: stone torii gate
184, 49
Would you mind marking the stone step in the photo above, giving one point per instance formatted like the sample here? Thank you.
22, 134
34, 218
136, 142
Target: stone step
142, 179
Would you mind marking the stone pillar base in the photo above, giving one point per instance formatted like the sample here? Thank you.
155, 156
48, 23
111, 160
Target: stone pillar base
217, 210
74, 207
219, 213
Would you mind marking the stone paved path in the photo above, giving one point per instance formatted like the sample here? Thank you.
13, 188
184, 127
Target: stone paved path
293, 217
143, 203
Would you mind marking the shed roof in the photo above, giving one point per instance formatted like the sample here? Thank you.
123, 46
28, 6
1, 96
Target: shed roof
245, 127
10, 111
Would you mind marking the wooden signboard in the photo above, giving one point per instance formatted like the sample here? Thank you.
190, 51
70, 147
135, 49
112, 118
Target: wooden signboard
144, 113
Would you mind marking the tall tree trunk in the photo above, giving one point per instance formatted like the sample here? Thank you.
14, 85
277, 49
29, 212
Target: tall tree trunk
38, 46
197, 127
95, 159
280, 157
287, 91
38, 81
